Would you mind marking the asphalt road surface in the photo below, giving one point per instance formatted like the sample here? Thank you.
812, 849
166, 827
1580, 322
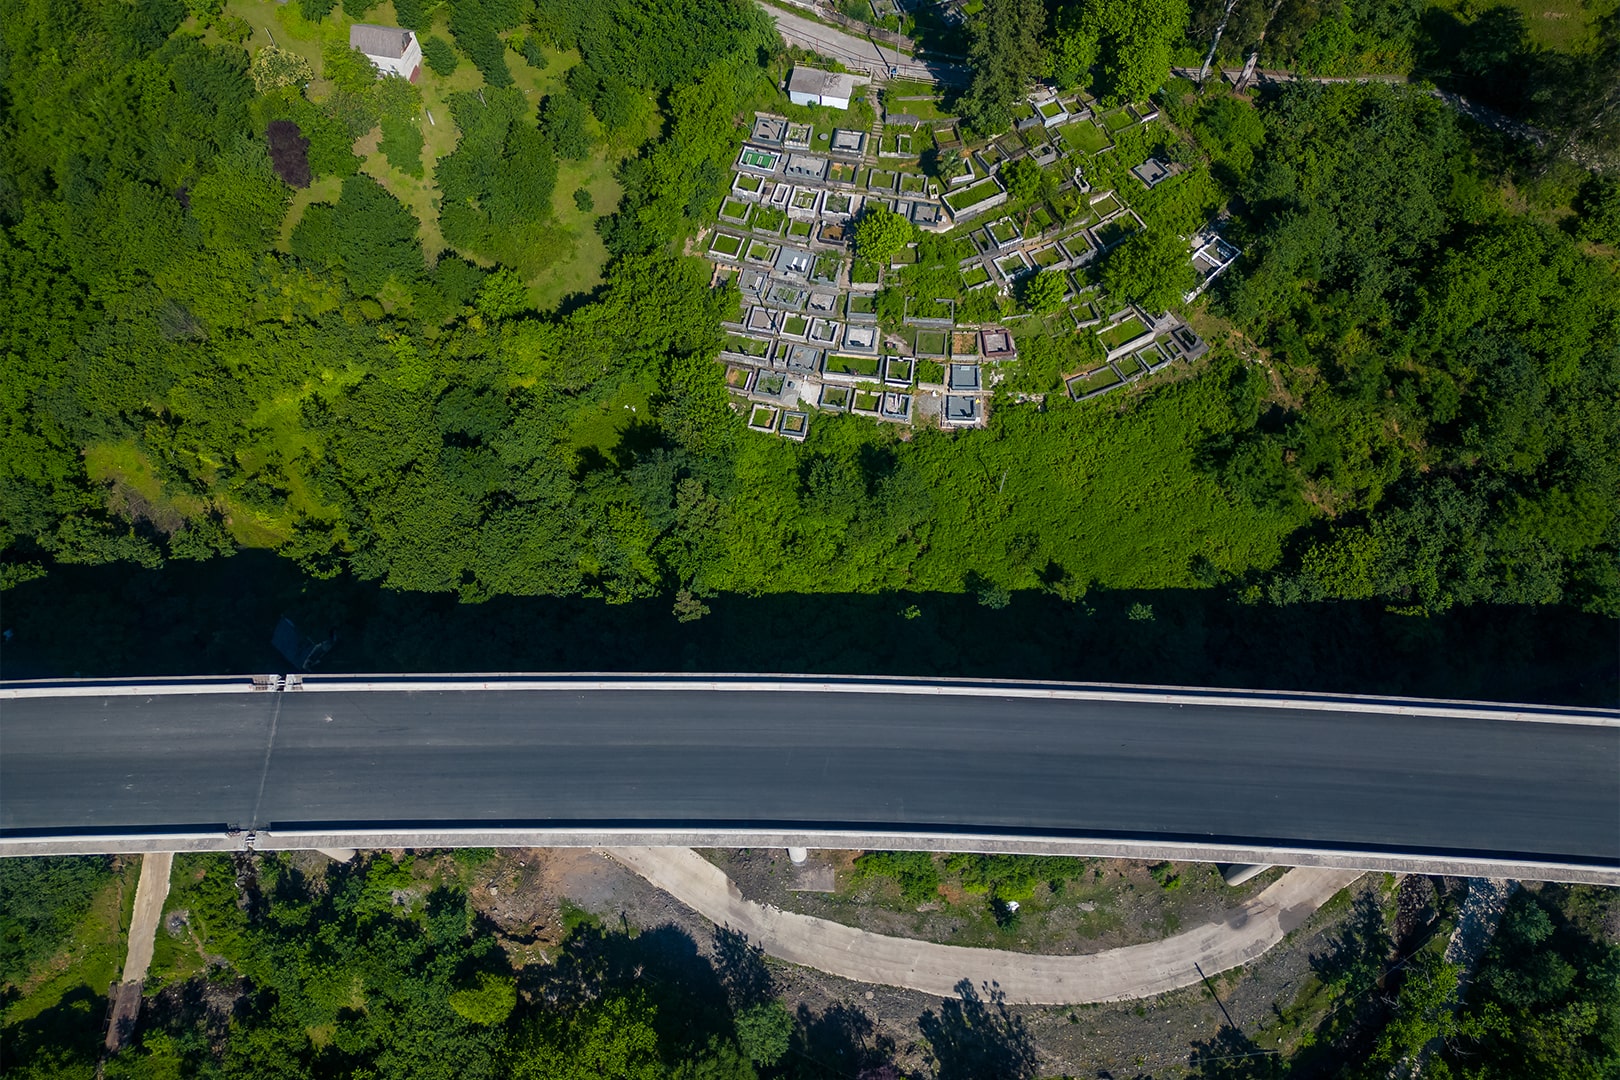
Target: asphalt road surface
706, 758
861, 53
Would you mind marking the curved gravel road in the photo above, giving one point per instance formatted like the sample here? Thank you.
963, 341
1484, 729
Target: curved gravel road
1134, 971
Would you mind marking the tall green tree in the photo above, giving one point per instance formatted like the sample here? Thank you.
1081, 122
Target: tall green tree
1152, 269
1006, 54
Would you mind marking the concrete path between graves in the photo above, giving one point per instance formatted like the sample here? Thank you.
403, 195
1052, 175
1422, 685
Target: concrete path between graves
1134, 971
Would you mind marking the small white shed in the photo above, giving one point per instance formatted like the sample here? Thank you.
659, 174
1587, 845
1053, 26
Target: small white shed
393, 49
812, 86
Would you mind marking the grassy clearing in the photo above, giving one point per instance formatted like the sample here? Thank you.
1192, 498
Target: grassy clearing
1564, 25
599, 426
92, 958
573, 255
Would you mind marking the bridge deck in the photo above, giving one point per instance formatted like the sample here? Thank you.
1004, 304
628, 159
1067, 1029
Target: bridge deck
704, 761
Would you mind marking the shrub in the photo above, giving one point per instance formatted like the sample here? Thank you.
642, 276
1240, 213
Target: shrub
289, 153
562, 120
881, 234
913, 871
273, 68
440, 58
583, 200
764, 1032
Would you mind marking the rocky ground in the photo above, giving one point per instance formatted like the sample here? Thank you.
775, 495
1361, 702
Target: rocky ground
851, 1027
1113, 903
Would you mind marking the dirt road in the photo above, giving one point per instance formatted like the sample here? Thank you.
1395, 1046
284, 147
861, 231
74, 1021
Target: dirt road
150, 893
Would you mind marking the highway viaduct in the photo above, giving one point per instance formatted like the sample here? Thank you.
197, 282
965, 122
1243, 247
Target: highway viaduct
281, 762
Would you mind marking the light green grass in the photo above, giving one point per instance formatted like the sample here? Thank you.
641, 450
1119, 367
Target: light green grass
574, 255
92, 957
1116, 336
1564, 25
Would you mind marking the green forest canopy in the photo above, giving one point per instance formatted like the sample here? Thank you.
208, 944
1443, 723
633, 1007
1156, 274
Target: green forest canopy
1436, 420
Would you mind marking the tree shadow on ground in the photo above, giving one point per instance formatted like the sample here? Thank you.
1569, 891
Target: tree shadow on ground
1350, 967
216, 617
740, 966
63, 1040
840, 1041
1232, 1055
978, 1038
663, 963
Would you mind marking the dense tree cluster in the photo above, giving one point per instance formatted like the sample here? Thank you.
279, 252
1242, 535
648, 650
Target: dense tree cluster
1458, 366
187, 371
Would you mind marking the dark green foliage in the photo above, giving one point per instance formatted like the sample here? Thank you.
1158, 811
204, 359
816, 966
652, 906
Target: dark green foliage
533, 53
316, 10
242, 202
497, 185
41, 901
1151, 270
1476, 335
1043, 291
439, 55
1546, 1000
583, 200
563, 120
764, 1032
914, 871
1599, 209
1128, 42
413, 15
1006, 53
473, 24
657, 46
368, 234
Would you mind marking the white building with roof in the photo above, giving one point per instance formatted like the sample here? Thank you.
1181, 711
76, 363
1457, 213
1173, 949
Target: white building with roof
393, 49
812, 86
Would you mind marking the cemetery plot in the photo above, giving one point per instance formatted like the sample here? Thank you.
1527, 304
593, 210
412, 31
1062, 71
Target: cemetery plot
1121, 333
1093, 382
746, 345
864, 366
983, 191
1116, 120
1086, 138
1115, 231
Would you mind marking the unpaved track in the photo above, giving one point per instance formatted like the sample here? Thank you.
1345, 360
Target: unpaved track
150, 893
1135, 971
